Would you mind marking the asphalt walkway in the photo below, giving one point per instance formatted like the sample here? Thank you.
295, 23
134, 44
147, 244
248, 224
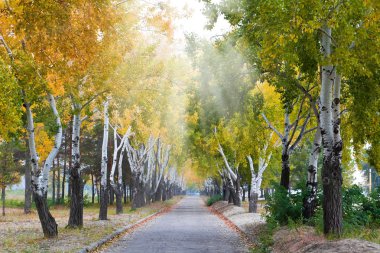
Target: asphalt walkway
189, 227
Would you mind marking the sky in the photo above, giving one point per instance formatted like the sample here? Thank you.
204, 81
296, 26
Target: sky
192, 20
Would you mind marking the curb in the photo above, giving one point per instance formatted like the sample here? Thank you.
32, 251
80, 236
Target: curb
95, 245
246, 236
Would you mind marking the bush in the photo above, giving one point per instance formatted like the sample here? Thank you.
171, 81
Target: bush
359, 209
284, 207
211, 200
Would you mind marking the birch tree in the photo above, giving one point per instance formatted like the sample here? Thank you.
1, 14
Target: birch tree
103, 169
118, 162
40, 174
287, 138
233, 179
257, 177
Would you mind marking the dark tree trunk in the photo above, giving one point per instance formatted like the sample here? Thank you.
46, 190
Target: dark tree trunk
158, 195
49, 226
76, 201
103, 203
249, 192
70, 163
253, 203
164, 192
237, 200
310, 200
147, 196
130, 193
58, 181
138, 195
111, 195
243, 194
285, 173
224, 192
53, 186
227, 194
119, 196
125, 192
332, 194
230, 196
3, 199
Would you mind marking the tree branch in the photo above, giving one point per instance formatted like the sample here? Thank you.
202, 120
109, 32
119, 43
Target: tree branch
272, 127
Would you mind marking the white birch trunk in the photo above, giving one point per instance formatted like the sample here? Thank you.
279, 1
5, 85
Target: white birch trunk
40, 178
103, 170
332, 143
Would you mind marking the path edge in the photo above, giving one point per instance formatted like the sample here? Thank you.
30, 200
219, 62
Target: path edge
101, 242
243, 234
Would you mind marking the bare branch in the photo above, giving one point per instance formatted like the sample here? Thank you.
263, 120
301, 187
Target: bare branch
272, 127
301, 134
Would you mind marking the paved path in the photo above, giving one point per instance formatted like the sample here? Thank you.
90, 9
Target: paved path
188, 228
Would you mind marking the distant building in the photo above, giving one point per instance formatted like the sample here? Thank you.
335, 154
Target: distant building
372, 177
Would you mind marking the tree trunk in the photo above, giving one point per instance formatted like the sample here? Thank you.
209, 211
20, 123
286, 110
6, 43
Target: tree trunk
111, 196
332, 143
285, 173
58, 181
53, 187
253, 202
243, 199
28, 187
138, 196
125, 192
227, 194
119, 197
158, 195
237, 197
164, 192
3, 199
40, 177
103, 203
103, 171
64, 171
76, 201
310, 201
49, 226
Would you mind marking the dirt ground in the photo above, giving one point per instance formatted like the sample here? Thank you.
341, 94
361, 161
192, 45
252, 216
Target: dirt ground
23, 233
298, 240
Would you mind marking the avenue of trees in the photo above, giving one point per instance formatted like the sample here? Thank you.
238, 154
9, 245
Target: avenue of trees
95, 94
307, 88
74, 73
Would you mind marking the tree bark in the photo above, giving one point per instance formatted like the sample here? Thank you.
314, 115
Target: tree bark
58, 181
285, 172
332, 144
103, 171
64, 171
28, 188
53, 186
310, 201
76, 201
3, 199
49, 226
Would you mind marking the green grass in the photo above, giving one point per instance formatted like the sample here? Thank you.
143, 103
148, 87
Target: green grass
213, 199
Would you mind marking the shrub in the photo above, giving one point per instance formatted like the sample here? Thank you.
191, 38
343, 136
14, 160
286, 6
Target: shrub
283, 206
211, 200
